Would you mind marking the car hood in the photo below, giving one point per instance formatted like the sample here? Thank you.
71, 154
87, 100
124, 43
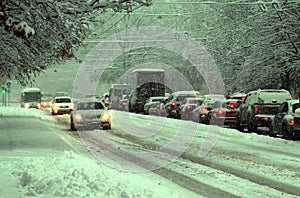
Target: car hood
89, 113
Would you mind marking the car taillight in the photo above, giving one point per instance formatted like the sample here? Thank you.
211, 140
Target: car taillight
189, 107
112, 100
124, 103
291, 121
204, 108
232, 104
220, 112
255, 108
173, 104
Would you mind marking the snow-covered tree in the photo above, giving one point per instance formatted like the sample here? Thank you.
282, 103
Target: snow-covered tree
36, 34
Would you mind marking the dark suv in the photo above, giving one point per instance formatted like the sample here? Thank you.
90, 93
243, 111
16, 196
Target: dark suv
174, 101
259, 107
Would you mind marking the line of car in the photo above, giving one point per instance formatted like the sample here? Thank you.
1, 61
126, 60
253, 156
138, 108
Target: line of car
263, 111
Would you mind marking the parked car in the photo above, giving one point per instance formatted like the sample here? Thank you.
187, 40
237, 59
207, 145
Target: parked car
283, 122
187, 106
151, 101
174, 101
258, 108
200, 113
223, 113
90, 113
61, 105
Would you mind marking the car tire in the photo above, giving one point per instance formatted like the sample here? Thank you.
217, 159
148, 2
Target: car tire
251, 127
271, 132
239, 127
107, 127
72, 126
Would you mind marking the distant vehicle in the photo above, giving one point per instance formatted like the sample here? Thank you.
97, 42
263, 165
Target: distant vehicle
187, 106
61, 105
145, 83
200, 113
283, 122
89, 113
151, 101
223, 113
258, 108
174, 101
123, 105
31, 98
238, 96
116, 92
46, 101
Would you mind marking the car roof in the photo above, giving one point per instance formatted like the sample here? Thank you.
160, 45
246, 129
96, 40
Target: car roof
60, 97
185, 92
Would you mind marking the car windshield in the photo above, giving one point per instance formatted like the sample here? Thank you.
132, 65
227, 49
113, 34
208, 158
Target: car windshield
89, 106
62, 100
273, 96
182, 97
157, 99
295, 106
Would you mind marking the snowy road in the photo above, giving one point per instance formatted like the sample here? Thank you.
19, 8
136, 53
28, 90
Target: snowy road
201, 160
236, 164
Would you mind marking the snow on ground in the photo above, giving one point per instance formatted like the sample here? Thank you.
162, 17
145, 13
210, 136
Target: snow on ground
47, 173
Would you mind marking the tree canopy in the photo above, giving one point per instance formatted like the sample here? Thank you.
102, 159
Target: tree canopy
36, 34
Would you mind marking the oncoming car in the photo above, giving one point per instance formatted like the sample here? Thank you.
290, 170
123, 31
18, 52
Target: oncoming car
90, 114
61, 105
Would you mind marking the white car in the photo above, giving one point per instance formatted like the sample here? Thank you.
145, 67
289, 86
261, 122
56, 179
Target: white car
61, 105
89, 113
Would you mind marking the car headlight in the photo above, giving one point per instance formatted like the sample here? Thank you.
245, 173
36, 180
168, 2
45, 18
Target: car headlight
78, 118
71, 106
105, 117
38, 105
55, 107
26, 105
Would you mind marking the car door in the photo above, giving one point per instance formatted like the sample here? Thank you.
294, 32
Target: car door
278, 119
242, 115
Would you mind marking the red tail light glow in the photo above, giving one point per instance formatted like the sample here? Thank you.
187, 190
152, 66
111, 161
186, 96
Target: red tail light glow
205, 108
189, 107
173, 104
291, 121
112, 100
220, 112
124, 103
232, 104
256, 108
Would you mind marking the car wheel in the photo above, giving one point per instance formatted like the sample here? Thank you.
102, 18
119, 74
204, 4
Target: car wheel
72, 126
286, 134
107, 127
271, 131
239, 127
251, 127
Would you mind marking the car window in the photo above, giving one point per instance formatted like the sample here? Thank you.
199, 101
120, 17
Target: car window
271, 96
90, 106
182, 97
62, 100
295, 106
